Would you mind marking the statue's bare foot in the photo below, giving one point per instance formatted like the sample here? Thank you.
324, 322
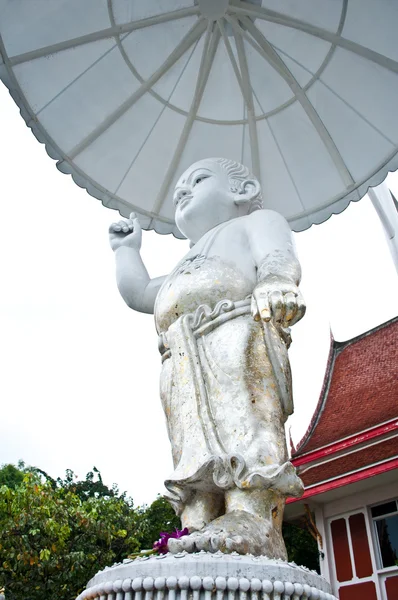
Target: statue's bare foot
237, 531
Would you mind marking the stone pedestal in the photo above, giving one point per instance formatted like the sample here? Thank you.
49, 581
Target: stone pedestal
205, 576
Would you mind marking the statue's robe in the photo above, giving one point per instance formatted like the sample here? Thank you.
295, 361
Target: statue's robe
219, 390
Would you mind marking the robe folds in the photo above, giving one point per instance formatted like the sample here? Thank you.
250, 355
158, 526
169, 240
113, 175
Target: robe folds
225, 385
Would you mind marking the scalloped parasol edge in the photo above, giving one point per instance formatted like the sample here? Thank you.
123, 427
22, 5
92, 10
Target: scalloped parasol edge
165, 227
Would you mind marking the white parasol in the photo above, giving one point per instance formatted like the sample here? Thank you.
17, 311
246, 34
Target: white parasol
126, 94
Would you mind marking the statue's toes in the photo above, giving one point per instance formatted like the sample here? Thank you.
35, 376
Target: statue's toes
202, 542
188, 543
214, 543
239, 544
234, 543
174, 545
228, 545
218, 541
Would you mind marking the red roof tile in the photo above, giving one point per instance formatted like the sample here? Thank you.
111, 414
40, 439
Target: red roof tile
350, 462
360, 389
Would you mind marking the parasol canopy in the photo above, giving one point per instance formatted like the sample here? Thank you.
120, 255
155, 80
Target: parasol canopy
127, 94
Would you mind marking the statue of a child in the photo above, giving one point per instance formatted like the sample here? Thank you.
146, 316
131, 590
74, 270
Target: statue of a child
222, 317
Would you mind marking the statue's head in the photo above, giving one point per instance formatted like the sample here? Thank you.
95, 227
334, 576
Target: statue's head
212, 191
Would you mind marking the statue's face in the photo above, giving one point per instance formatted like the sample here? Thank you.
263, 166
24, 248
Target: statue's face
203, 198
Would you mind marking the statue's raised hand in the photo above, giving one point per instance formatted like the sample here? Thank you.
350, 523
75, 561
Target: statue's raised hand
279, 300
126, 233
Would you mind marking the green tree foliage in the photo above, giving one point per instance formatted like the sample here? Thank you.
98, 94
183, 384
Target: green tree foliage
153, 519
11, 476
91, 487
56, 534
52, 541
301, 546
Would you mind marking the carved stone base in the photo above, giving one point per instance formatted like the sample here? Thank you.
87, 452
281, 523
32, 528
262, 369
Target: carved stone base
205, 576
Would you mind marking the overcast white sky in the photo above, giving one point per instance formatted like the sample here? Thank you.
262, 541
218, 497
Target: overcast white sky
79, 376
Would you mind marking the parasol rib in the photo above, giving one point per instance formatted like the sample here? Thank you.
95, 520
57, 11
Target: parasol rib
132, 68
242, 152
281, 154
156, 121
103, 34
250, 106
272, 57
332, 91
243, 8
232, 59
71, 83
235, 67
209, 51
193, 34
285, 162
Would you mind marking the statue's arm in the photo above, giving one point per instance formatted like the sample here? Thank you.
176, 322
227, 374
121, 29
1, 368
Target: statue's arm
135, 286
137, 289
276, 295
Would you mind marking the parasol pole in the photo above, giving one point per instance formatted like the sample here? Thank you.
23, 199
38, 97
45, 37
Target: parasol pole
385, 206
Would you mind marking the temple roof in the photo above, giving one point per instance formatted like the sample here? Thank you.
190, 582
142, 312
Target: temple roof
360, 389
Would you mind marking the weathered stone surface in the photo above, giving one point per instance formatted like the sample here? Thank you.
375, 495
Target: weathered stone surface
222, 316
207, 576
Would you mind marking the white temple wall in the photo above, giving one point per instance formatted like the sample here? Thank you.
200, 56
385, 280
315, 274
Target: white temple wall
352, 557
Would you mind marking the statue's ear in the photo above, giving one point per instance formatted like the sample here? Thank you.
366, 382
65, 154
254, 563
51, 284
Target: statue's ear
248, 191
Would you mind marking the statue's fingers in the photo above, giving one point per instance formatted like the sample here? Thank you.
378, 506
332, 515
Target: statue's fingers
123, 226
127, 225
137, 231
277, 306
118, 227
290, 302
134, 219
301, 308
263, 305
254, 309
137, 225
114, 228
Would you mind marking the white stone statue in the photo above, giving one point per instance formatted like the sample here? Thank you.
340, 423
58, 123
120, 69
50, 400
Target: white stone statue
222, 317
